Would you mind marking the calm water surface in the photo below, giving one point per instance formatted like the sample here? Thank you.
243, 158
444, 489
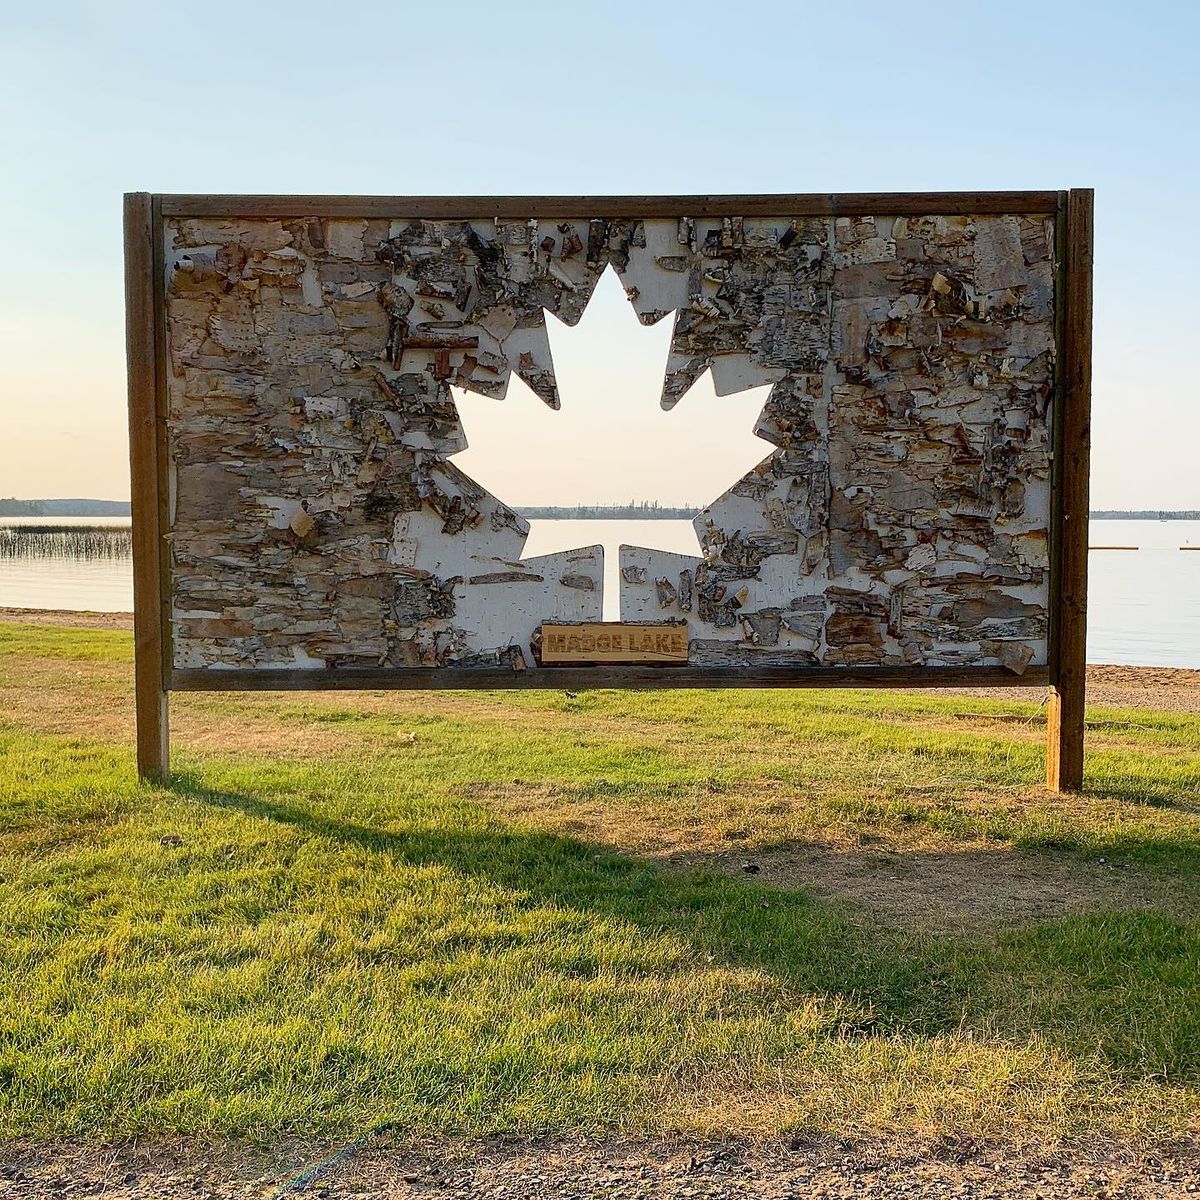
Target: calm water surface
92, 584
1143, 606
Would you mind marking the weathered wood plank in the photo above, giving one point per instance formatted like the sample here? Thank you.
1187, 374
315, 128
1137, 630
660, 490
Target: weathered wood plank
1065, 711
614, 642
158, 296
140, 342
1054, 533
565, 207
635, 677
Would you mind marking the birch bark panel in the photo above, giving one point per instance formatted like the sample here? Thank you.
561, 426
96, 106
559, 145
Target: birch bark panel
901, 517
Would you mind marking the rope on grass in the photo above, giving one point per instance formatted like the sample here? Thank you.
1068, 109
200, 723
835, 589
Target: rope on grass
301, 1181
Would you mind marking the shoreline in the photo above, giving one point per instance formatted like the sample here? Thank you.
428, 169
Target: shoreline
1114, 685
72, 618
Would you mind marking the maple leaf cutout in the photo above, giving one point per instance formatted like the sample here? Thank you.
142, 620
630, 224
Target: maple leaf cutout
611, 439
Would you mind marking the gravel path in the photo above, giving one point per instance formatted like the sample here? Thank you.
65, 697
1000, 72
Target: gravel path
590, 1170
62, 616
1168, 689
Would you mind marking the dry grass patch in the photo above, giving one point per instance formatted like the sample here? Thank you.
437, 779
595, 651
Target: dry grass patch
906, 874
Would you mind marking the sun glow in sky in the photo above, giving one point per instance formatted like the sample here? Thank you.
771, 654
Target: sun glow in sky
102, 98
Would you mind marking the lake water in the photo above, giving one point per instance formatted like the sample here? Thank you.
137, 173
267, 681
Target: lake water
1143, 606
67, 581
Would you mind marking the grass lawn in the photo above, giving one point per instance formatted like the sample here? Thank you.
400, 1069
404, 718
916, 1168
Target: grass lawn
481, 912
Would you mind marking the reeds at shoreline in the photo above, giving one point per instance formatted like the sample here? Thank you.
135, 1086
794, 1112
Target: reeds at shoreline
65, 541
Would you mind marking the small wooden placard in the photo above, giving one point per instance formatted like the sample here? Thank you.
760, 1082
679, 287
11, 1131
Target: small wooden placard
615, 642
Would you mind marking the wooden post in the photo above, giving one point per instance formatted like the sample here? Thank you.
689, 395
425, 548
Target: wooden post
1065, 714
142, 366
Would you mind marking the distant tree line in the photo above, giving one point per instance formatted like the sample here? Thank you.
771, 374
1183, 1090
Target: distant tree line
64, 508
634, 510
1146, 514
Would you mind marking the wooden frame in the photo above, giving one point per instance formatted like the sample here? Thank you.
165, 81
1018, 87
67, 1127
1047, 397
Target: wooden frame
1072, 455
155, 674
639, 677
812, 204
147, 429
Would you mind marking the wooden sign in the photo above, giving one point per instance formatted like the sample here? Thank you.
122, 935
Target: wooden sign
615, 642
258, 567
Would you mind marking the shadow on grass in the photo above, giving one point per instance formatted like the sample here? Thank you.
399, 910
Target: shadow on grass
1135, 791
1124, 983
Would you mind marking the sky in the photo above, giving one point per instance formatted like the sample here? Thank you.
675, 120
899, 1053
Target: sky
107, 97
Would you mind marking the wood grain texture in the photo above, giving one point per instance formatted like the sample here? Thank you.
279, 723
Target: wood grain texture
614, 642
1056, 422
141, 339
636, 677
1065, 713
517, 207
158, 296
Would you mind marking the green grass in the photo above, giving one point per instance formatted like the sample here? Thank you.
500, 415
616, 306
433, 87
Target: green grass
494, 912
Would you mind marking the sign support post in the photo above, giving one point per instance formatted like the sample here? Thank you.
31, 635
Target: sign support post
144, 447
1065, 708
